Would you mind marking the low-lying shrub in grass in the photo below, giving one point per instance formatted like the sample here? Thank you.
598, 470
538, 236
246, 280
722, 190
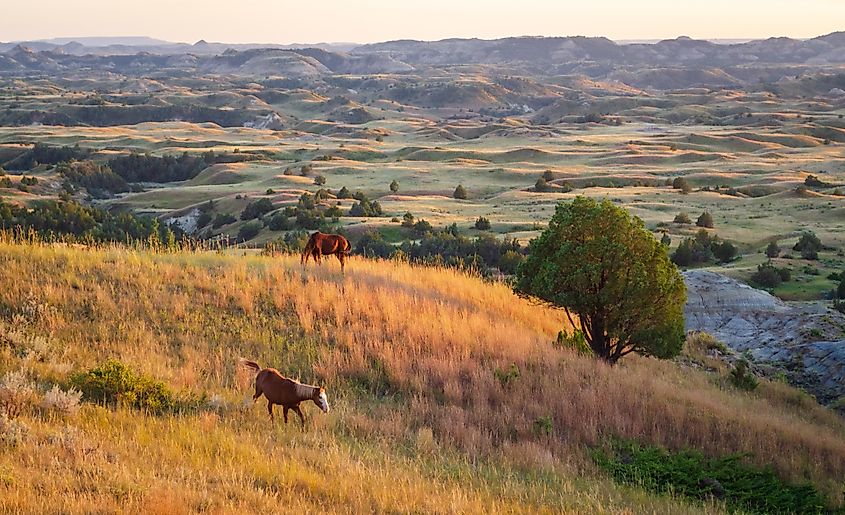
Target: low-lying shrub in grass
742, 487
114, 382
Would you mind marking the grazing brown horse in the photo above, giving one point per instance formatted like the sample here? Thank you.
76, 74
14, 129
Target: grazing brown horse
286, 392
320, 245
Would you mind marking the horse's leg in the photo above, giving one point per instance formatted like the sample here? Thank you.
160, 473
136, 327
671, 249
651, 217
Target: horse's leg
258, 393
299, 412
342, 258
270, 409
285, 412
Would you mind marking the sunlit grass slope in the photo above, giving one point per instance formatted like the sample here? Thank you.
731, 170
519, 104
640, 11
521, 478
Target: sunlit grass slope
447, 393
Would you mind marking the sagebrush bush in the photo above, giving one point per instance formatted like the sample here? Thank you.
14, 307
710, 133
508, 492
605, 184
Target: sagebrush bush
114, 382
16, 393
12, 432
741, 377
64, 402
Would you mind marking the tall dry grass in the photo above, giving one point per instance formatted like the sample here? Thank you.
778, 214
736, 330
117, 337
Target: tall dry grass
410, 356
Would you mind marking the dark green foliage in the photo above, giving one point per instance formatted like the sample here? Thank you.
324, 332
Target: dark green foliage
407, 220
279, 222
484, 253
204, 219
724, 252
249, 231
344, 193
742, 487
682, 218
770, 276
394, 186
772, 250
548, 176
320, 180
256, 209
93, 177
29, 181
366, 208
601, 264
113, 382
666, 240
460, 192
421, 228
223, 219
6, 182
482, 224
840, 289
705, 220
291, 243
146, 168
741, 377
814, 182
703, 248
68, 219
679, 183
541, 185
46, 154
372, 245
809, 246
543, 426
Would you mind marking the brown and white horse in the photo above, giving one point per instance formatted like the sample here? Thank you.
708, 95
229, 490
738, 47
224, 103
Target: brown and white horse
285, 392
320, 245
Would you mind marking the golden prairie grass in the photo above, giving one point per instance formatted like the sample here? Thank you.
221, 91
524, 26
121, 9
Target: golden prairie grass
410, 357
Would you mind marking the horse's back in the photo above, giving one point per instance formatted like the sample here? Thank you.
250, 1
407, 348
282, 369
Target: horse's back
276, 387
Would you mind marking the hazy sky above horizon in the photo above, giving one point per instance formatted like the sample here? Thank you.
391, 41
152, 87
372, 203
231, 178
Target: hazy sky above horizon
364, 21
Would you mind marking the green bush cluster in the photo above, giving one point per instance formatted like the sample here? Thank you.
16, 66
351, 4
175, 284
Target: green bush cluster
114, 382
742, 487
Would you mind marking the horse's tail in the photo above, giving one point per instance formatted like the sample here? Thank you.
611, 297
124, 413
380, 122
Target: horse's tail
347, 247
251, 364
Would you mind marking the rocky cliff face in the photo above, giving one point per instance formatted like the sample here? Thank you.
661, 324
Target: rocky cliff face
805, 340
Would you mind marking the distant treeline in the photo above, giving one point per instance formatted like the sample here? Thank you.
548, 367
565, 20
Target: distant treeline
110, 115
68, 220
448, 248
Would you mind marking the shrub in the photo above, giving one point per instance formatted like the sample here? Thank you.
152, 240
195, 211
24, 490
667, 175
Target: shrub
16, 394
344, 193
65, 402
279, 222
256, 209
319, 180
705, 220
460, 192
772, 250
680, 183
372, 245
724, 252
543, 426
541, 185
548, 176
741, 377
482, 224
223, 219
114, 382
506, 377
690, 474
666, 240
12, 432
394, 186
408, 220
365, 208
808, 245
249, 231
422, 227
682, 218
767, 275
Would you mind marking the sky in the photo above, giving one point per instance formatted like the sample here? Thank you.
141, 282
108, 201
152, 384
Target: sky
365, 21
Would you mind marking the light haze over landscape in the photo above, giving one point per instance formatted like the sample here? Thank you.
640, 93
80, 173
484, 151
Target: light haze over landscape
367, 21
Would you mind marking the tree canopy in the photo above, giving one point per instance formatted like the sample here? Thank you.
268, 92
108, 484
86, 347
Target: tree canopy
602, 266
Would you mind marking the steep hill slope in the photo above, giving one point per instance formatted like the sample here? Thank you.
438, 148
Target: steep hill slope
445, 389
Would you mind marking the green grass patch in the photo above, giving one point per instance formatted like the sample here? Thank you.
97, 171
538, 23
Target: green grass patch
742, 487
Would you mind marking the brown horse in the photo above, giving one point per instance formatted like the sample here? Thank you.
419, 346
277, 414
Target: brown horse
320, 245
286, 392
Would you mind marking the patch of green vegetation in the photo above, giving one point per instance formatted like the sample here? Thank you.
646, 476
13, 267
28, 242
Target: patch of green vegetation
114, 382
689, 473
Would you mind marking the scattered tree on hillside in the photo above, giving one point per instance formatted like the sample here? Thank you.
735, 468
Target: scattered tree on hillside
344, 193
394, 186
548, 176
460, 192
482, 224
682, 218
256, 209
606, 269
408, 220
705, 220
666, 240
809, 246
770, 276
320, 180
680, 183
703, 248
541, 185
772, 250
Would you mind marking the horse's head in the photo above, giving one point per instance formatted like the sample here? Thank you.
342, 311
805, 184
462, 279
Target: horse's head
319, 398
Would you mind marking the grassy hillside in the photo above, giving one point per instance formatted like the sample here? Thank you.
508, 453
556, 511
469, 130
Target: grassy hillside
447, 393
